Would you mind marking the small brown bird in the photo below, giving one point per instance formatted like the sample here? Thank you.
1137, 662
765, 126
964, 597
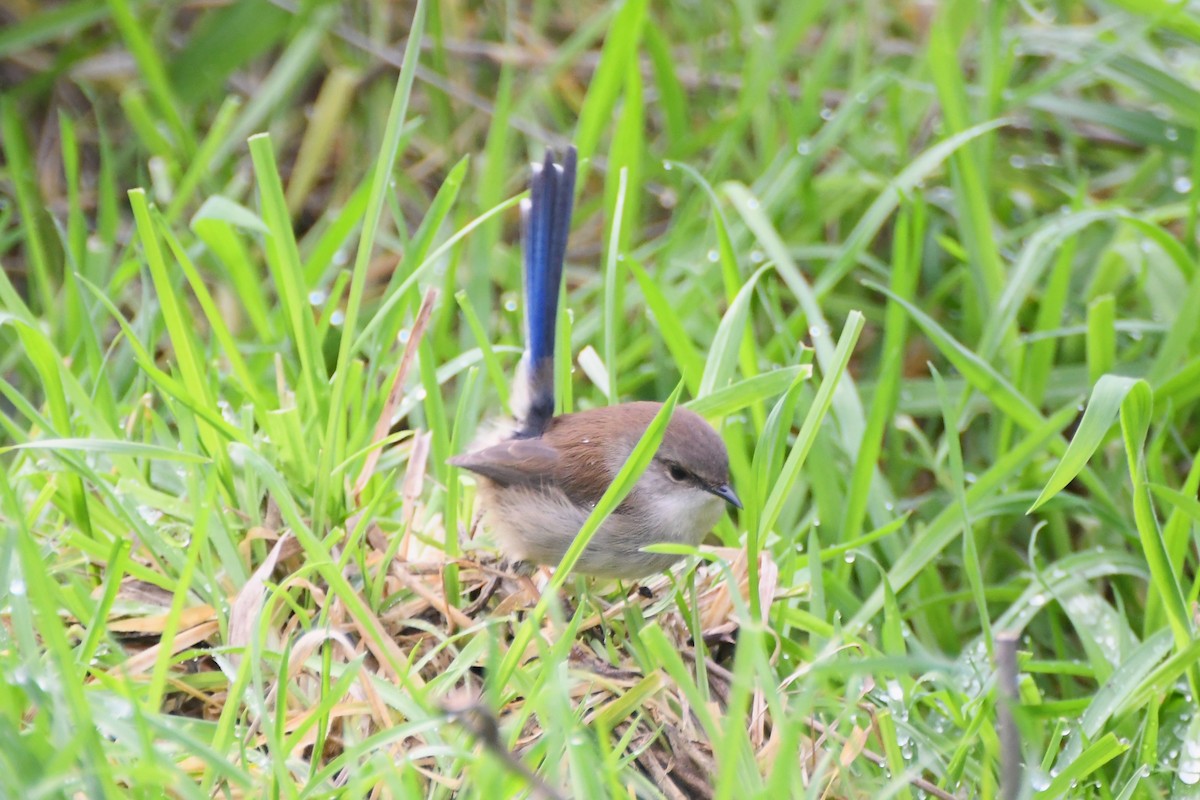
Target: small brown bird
538, 486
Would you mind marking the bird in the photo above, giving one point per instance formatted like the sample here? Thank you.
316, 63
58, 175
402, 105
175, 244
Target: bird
539, 483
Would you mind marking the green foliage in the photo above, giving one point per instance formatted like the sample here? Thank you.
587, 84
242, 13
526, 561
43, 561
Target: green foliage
261, 278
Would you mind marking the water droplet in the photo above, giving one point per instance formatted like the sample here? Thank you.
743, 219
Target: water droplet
1047, 160
752, 202
756, 256
337, 318
1038, 600
1017, 162
317, 297
849, 558
861, 98
668, 166
814, 331
1171, 135
403, 336
17, 587
341, 256
803, 148
1182, 184
713, 256
510, 306
826, 113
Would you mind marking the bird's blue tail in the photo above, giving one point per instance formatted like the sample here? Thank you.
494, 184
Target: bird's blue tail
547, 219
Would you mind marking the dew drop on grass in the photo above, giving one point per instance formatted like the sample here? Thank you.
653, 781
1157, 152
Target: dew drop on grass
403, 336
756, 256
317, 297
510, 306
17, 587
1038, 600
752, 202
337, 318
1017, 162
1171, 135
341, 256
826, 113
803, 148
1182, 184
667, 166
713, 256
850, 557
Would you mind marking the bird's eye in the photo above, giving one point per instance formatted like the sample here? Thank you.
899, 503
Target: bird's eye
677, 473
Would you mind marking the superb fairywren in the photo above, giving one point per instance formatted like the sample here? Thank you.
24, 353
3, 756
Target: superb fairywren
538, 485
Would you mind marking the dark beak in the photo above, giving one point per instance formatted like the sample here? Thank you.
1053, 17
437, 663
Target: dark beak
726, 493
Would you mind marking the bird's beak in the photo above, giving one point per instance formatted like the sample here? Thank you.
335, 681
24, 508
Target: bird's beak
726, 493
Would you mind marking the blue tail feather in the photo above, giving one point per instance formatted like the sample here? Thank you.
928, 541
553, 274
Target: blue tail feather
547, 225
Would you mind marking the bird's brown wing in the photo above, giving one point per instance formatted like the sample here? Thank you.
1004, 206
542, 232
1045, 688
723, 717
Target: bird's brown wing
515, 462
576, 471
